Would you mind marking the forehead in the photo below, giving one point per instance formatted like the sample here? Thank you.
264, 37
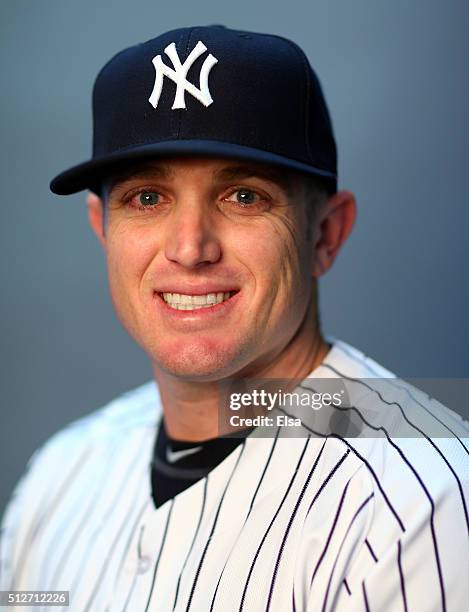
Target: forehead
216, 169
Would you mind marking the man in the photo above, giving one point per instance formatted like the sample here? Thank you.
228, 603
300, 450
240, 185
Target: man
213, 191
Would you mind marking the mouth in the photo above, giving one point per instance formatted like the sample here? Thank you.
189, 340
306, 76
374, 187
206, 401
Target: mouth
181, 301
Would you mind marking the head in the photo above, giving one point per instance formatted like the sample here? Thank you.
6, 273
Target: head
250, 236
221, 191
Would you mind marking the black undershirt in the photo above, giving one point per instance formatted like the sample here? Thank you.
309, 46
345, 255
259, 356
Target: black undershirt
173, 470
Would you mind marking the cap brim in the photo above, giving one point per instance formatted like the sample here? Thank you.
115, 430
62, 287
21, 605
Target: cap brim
90, 174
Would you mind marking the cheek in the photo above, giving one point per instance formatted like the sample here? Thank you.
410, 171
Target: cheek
275, 255
129, 254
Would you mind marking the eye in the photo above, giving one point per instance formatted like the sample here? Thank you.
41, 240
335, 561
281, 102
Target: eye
148, 198
245, 197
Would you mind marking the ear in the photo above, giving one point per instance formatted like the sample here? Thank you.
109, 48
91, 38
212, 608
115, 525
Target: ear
95, 216
333, 226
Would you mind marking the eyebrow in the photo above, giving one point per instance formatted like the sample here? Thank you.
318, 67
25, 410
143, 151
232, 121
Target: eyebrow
159, 171
284, 180
280, 177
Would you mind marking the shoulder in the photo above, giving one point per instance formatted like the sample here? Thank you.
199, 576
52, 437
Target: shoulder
383, 405
76, 459
414, 452
134, 411
394, 425
414, 449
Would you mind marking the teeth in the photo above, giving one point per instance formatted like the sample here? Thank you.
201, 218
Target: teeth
199, 300
180, 301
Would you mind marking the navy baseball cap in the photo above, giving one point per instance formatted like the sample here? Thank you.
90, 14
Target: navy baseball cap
208, 91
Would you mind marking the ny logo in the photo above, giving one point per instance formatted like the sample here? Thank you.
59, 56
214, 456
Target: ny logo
179, 74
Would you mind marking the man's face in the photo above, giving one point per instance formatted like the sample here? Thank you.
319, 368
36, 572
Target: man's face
184, 233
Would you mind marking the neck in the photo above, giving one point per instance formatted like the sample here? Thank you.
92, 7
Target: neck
191, 408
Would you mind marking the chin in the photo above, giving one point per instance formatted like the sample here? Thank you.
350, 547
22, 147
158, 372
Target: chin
201, 361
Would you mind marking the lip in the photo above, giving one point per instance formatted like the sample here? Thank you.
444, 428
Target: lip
199, 289
198, 314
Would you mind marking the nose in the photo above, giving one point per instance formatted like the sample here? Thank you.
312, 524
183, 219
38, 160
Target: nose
191, 239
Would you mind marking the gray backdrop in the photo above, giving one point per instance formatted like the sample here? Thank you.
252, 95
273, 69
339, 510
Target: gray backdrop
396, 79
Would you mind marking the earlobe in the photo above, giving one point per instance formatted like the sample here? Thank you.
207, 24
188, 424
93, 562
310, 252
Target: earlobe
334, 225
96, 216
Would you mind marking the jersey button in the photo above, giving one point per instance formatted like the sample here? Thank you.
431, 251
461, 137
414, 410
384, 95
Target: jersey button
143, 564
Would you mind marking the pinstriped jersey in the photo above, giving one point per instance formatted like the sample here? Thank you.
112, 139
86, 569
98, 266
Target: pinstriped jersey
324, 521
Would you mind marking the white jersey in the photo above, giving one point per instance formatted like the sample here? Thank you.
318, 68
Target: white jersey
313, 523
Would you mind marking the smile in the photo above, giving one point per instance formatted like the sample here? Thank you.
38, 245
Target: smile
181, 301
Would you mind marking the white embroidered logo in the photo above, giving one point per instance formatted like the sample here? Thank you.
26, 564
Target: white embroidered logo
179, 74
